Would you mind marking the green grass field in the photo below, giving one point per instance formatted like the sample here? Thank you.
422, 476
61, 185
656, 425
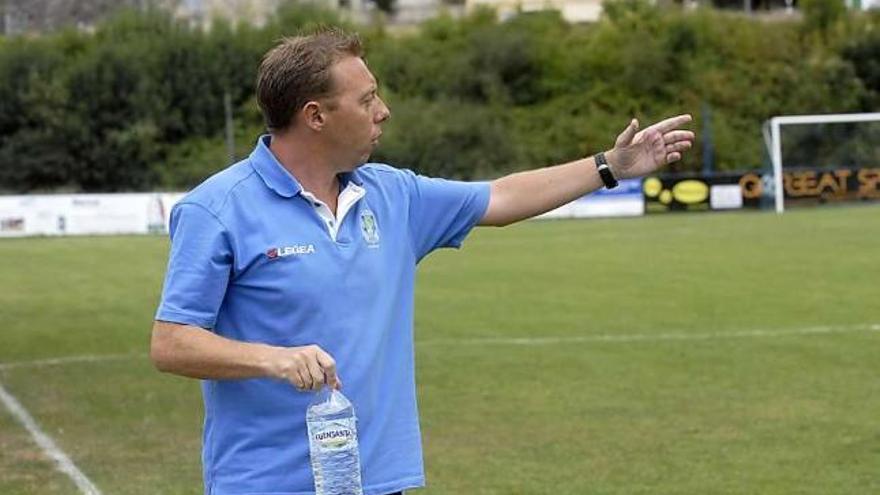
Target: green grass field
685, 354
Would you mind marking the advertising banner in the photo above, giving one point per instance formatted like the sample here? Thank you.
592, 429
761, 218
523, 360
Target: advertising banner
624, 200
806, 187
85, 214
802, 187
687, 193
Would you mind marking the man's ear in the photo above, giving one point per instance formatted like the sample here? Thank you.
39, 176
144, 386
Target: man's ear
313, 115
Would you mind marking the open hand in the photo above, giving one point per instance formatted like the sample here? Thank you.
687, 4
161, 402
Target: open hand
637, 153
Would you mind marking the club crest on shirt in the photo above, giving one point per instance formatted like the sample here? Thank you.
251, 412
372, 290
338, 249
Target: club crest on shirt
369, 228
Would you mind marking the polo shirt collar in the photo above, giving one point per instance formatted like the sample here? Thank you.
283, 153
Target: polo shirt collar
350, 178
278, 179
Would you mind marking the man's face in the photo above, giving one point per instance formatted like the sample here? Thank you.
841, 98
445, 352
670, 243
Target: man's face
354, 118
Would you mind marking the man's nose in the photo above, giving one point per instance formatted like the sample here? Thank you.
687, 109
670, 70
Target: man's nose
384, 112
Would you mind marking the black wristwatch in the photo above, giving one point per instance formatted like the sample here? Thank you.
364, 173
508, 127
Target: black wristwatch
605, 171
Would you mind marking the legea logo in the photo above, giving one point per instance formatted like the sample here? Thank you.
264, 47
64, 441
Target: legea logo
295, 250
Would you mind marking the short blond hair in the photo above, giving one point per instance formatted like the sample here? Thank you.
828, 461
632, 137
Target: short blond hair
297, 70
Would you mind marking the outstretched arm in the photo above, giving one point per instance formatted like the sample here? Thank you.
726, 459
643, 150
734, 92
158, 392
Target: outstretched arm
636, 153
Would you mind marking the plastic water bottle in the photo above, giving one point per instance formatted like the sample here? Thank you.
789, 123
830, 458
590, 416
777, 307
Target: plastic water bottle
333, 444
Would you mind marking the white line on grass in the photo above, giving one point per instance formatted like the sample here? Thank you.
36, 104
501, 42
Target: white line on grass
548, 340
89, 358
62, 462
649, 337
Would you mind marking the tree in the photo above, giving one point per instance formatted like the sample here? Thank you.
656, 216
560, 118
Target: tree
864, 55
821, 15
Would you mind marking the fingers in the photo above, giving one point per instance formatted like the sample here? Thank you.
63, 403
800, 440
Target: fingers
679, 146
307, 368
328, 369
315, 373
302, 380
626, 137
671, 123
670, 153
675, 136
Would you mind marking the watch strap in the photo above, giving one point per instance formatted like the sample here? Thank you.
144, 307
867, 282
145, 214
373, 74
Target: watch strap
605, 171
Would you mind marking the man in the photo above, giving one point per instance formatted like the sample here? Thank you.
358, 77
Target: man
296, 266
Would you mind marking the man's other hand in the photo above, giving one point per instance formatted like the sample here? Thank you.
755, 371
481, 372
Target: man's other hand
307, 367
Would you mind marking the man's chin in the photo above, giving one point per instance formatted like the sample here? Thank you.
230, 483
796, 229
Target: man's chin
365, 158
361, 160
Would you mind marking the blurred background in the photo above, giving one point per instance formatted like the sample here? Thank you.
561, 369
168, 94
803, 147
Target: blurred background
143, 95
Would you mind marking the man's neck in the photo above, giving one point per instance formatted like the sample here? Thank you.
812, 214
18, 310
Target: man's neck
307, 162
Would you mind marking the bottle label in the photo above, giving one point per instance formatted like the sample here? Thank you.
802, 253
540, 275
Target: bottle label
337, 434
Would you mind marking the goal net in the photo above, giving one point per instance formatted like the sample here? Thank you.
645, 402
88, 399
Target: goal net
824, 158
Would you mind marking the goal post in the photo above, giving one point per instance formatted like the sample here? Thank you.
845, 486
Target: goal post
775, 140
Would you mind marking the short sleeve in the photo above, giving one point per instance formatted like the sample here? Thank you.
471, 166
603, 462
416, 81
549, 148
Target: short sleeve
443, 212
199, 267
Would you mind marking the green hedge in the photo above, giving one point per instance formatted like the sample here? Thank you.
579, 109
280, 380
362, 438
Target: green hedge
138, 104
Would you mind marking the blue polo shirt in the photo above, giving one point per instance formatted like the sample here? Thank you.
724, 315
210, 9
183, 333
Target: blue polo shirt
253, 261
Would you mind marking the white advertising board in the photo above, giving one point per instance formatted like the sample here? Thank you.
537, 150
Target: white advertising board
725, 197
626, 200
85, 214
148, 213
